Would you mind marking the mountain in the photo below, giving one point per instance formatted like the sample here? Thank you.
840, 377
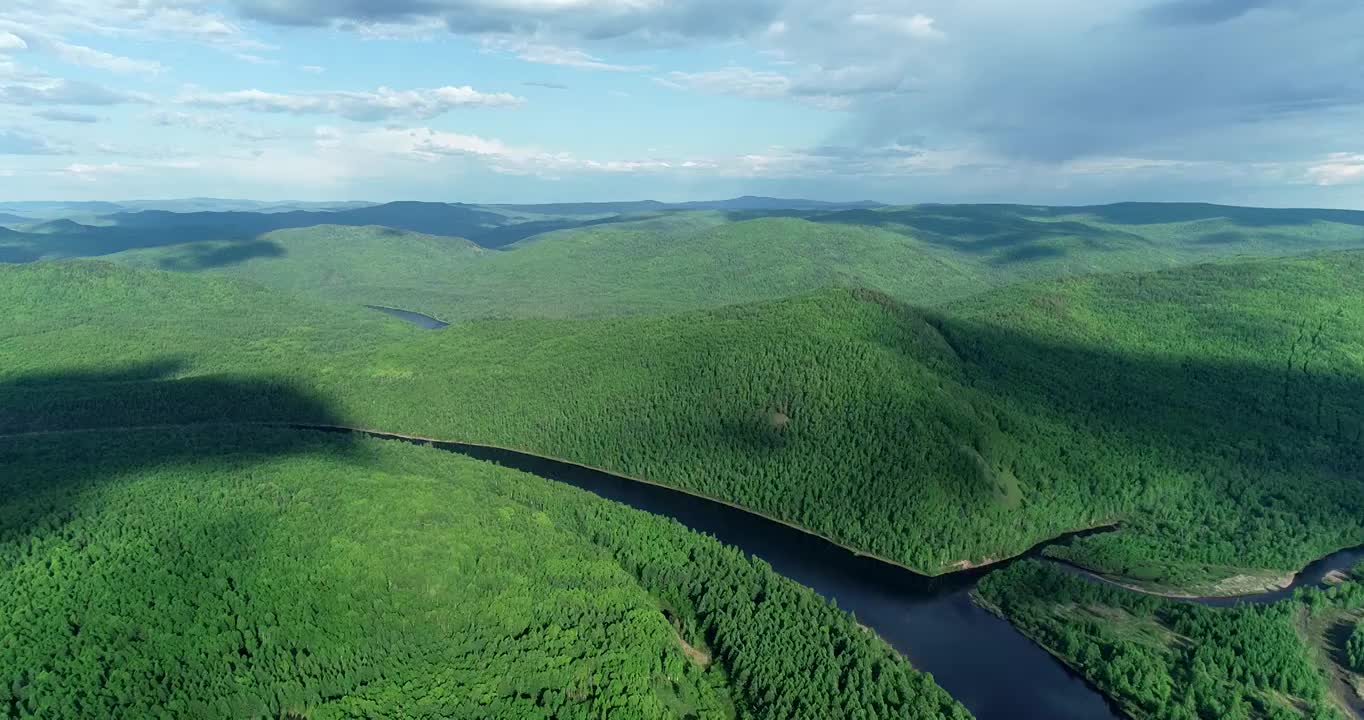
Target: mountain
938, 438
747, 202
59, 227
679, 260
14, 220
750, 202
196, 527
586, 208
430, 218
355, 265
57, 209
188, 205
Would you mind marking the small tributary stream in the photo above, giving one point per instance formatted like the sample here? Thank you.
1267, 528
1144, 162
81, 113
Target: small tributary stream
1314, 575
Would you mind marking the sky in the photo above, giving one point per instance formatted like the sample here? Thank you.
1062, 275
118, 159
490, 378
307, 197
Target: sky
1255, 102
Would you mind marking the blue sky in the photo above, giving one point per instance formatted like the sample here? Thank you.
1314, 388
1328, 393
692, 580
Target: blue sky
1052, 101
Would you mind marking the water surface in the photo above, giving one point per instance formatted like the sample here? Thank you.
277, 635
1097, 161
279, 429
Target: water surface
416, 318
983, 661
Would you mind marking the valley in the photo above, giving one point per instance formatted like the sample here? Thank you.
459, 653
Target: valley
851, 426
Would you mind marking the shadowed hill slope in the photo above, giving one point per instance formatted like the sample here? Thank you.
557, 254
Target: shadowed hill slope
434, 583
1216, 411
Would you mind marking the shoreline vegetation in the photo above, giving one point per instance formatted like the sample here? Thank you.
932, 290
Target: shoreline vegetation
1170, 658
971, 569
447, 586
1235, 586
404, 437
932, 438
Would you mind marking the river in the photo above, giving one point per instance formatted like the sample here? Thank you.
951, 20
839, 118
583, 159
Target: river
983, 661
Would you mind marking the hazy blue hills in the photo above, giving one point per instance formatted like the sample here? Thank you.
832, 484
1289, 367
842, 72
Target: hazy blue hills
747, 202
28, 211
54, 209
1030, 241
226, 205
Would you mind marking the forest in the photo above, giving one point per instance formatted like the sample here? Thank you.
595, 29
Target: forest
671, 261
1161, 658
1214, 411
1356, 648
240, 572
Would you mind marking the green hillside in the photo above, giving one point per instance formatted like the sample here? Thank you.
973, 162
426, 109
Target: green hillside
352, 265
241, 572
1164, 401
1164, 659
923, 255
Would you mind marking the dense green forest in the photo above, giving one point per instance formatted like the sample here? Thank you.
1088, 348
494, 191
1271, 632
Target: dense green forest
1356, 648
667, 262
1215, 411
1163, 658
240, 572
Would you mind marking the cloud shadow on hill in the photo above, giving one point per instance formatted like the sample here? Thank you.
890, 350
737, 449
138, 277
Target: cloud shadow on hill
49, 419
990, 395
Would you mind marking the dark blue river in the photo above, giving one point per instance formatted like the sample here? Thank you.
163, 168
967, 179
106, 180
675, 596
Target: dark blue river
986, 664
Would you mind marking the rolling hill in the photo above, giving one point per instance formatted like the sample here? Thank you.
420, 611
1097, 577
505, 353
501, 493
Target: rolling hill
1161, 658
675, 261
1215, 411
244, 572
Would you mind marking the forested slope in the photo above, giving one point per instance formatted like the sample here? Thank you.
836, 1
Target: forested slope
1164, 401
1168, 659
668, 262
249, 572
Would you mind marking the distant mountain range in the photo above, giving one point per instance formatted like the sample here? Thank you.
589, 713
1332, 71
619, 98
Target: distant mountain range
747, 202
977, 228
11, 212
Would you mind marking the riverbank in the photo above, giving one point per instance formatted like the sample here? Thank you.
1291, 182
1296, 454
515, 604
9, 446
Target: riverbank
930, 622
1263, 588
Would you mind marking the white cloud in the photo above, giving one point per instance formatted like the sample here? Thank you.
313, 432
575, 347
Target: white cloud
68, 116
380, 104
1338, 169
9, 42
38, 89
254, 59
741, 81
374, 150
817, 87
215, 124
548, 54
141, 19
15, 35
314, 69
90, 57
917, 25
91, 172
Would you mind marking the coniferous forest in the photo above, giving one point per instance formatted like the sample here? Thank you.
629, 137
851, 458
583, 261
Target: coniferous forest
242, 572
1163, 658
175, 545
1213, 411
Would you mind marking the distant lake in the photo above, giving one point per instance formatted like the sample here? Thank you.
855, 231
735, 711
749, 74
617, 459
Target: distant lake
416, 318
